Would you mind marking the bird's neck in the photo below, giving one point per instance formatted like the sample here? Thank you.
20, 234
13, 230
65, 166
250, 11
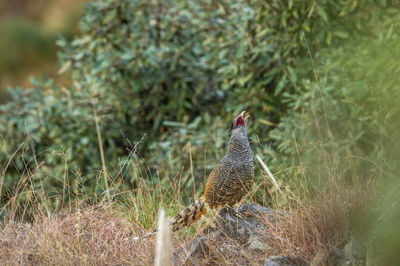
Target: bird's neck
239, 142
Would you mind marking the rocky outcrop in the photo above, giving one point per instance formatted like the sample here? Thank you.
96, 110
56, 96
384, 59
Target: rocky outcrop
347, 253
240, 237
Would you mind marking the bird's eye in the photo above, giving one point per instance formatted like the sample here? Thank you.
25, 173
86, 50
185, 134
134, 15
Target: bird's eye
239, 121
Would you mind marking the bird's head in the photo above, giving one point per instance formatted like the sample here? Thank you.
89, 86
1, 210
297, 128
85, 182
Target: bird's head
240, 121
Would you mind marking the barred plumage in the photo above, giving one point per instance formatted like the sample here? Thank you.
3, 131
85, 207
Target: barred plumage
230, 180
189, 215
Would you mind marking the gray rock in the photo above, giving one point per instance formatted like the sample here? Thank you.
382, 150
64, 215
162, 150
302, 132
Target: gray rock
284, 261
347, 253
235, 234
354, 251
256, 244
248, 221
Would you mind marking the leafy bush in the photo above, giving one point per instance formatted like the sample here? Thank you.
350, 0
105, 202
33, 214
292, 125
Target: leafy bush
177, 72
350, 107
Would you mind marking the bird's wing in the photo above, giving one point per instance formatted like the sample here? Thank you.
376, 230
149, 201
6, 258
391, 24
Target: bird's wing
218, 186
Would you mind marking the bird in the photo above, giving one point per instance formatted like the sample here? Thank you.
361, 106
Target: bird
230, 181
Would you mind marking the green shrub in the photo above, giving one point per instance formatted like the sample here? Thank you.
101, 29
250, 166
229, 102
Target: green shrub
351, 109
177, 72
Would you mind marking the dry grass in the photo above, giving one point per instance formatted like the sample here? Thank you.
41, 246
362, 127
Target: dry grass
102, 233
312, 229
82, 236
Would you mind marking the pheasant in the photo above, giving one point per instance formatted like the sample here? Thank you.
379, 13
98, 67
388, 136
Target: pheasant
230, 180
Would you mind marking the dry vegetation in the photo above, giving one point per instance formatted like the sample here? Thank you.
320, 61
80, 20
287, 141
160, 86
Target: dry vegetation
315, 227
100, 227
82, 236
100, 231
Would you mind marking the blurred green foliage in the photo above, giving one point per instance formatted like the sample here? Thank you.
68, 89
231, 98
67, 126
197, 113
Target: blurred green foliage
19, 39
320, 79
179, 71
23, 46
28, 31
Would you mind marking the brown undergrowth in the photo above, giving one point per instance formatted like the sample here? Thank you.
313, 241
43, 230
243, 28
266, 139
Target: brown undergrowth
312, 229
102, 235
83, 236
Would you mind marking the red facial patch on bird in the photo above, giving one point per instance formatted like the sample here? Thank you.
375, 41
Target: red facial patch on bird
239, 121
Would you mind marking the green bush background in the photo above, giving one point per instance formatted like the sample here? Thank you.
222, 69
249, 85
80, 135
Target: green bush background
319, 78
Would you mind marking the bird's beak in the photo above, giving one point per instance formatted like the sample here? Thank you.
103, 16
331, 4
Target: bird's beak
244, 117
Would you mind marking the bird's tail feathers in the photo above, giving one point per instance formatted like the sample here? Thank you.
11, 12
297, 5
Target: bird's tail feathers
189, 215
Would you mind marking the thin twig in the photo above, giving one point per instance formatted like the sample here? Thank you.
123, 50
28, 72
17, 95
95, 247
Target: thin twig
319, 89
271, 176
191, 168
103, 164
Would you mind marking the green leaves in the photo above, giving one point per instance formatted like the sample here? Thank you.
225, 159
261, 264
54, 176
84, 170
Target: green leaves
322, 13
178, 71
